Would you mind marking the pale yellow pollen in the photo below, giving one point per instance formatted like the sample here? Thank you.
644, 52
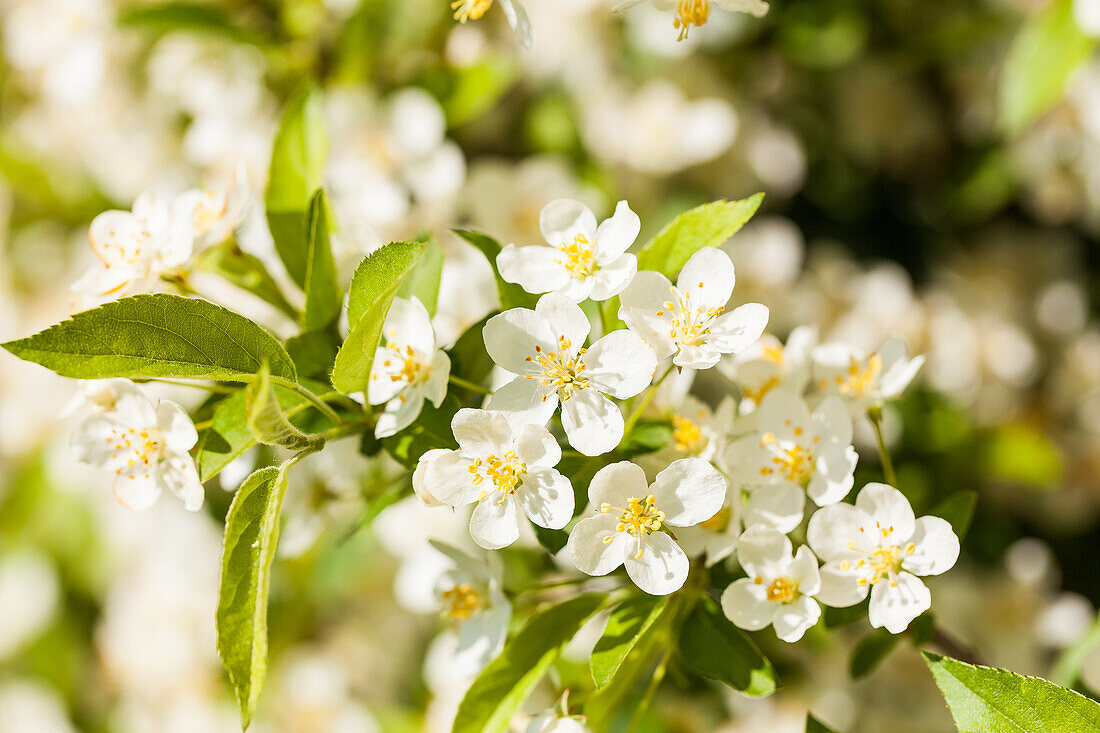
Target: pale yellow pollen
689, 13
782, 590
858, 379
689, 325
559, 370
883, 562
578, 257
687, 436
505, 472
135, 447
720, 522
463, 601
412, 369
470, 9
640, 518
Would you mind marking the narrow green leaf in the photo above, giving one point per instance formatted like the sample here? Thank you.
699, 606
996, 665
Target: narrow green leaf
958, 510
423, 281
196, 17
629, 622
297, 163
251, 534
505, 683
715, 648
372, 290
870, 651
645, 437
323, 296
314, 353
991, 700
813, 725
159, 335
244, 271
709, 225
1048, 48
267, 421
511, 295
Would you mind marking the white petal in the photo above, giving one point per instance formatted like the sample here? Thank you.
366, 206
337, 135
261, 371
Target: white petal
563, 219
793, 619
524, 401
889, 508
93, 441
613, 278
697, 356
520, 24
653, 330
435, 389
662, 567
481, 432
593, 424
894, 381
615, 483
409, 324
620, 364
400, 413
420, 486
778, 506
381, 388
764, 553
179, 475
708, 278
781, 412
448, 479
137, 492
894, 604
176, 425
757, 8
547, 498
615, 235
936, 547
577, 290
733, 332
833, 478
835, 419
590, 553
535, 446
746, 604
840, 588
831, 530
689, 491
495, 522
511, 337
803, 570
565, 318
536, 268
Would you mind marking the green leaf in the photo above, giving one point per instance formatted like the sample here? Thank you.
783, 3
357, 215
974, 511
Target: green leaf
1068, 666
958, 510
432, 429
836, 617
715, 648
645, 437
323, 296
709, 225
251, 535
267, 421
197, 17
478, 87
813, 725
991, 700
551, 539
244, 271
159, 335
469, 359
505, 683
511, 295
297, 163
373, 287
1047, 50
423, 281
629, 622
870, 651
314, 353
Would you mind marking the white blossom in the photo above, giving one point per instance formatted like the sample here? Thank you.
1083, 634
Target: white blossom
865, 379
878, 545
581, 260
509, 473
696, 12
715, 538
687, 321
513, 11
794, 452
216, 212
147, 448
780, 588
470, 597
629, 516
544, 348
769, 363
408, 369
551, 722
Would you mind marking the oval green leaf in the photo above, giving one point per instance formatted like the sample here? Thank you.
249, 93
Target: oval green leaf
709, 225
715, 648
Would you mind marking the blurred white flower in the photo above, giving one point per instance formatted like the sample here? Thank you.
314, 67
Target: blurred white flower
865, 380
768, 364
695, 12
31, 707
29, 594
551, 722
470, 597
513, 11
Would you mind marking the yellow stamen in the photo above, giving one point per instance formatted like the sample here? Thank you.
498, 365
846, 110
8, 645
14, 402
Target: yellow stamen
689, 13
470, 9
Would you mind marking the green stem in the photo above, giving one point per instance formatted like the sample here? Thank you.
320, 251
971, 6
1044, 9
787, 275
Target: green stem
467, 384
650, 690
874, 414
308, 397
204, 424
636, 414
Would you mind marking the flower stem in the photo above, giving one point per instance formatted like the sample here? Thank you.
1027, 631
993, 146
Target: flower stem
874, 414
636, 413
309, 397
467, 384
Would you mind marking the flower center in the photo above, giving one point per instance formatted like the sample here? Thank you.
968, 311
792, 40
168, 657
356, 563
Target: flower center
470, 9
689, 13
774, 354
210, 208
781, 590
884, 561
135, 447
720, 522
859, 379
641, 516
578, 257
462, 602
687, 437
757, 393
791, 460
688, 324
506, 473
561, 371
412, 369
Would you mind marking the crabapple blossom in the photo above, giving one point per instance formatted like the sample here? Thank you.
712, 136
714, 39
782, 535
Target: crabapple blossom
470, 597
146, 446
408, 369
687, 321
865, 380
513, 11
581, 260
508, 472
696, 12
544, 348
769, 363
216, 212
717, 537
878, 545
780, 588
794, 452
629, 515
551, 722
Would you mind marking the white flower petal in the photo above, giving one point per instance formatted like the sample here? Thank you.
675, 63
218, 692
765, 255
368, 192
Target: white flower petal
511, 337
833, 477
563, 219
435, 389
613, 278
689, 491
481, 432
839, 588
894, 604
138, 491
409, 324
936, 547
835, 419
733, 332
593, 423
535, 446
495, 522
832, 528
662, 567
93, 441
746, 604
615, 235
520, 24
778, 506
566, 319
793, 619
536, 268
889, 508
179, 475
176, 426
524, 401
804, 571
547, 498
764, 553
420, 486
615, 483
708, 278
448, 479
400, 413
590, 553
620, 364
